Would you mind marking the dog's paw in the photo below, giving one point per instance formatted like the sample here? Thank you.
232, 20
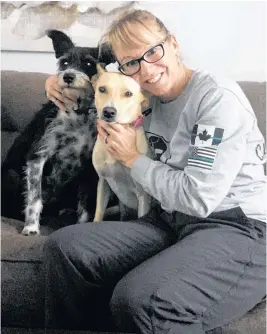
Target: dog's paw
84, 218
98, 217
31, 230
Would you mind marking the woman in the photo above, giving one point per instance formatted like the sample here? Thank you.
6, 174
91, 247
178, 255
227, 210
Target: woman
197, 260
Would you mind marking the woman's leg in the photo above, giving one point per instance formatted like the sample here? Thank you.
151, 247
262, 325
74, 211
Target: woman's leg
85, 261
215, 273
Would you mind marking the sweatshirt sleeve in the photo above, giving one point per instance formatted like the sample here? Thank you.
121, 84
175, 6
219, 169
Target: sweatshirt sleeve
216, 153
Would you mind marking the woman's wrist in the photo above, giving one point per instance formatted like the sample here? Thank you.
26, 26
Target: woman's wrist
129, 162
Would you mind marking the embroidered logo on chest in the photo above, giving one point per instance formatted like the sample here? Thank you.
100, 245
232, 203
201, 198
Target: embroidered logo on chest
158, 144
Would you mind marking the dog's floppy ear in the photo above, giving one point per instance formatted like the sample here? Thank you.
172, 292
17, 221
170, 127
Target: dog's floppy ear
61, 42
94, 52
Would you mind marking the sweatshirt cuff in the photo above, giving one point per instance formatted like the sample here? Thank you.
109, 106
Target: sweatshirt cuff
140, 167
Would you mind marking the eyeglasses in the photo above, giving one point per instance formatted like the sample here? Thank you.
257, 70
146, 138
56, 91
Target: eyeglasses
151, 56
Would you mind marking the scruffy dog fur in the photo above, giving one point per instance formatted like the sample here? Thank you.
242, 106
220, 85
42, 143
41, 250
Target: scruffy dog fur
119, 99
53, 155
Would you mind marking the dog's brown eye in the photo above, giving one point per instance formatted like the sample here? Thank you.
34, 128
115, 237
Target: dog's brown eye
102, 89
128, 94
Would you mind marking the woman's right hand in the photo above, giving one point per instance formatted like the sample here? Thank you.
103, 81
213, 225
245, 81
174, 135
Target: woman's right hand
54, 94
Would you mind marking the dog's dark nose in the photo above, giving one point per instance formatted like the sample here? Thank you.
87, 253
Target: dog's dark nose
69, 77
109, 113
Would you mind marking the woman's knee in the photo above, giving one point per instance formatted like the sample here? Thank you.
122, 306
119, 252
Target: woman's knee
71, 245
130, 305
59, 241
139, 305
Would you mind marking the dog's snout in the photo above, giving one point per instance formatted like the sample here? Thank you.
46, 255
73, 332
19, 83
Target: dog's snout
69, 77
109, 113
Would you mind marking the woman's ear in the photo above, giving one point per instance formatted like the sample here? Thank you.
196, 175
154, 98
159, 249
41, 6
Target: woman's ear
174, 44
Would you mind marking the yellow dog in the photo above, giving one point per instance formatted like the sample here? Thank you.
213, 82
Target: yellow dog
119, 99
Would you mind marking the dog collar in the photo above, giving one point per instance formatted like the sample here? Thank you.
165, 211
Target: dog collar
138, 122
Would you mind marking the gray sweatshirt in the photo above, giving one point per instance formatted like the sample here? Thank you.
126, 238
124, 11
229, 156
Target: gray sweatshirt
209, 151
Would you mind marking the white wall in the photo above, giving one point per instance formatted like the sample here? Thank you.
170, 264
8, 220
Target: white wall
224, 37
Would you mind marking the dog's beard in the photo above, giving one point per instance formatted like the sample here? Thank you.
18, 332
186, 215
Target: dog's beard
84, 97
80, 79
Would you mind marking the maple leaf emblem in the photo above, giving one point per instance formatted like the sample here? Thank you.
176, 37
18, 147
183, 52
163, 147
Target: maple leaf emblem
204, 136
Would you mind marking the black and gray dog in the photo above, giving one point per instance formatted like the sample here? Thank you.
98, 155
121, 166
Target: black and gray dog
53, 154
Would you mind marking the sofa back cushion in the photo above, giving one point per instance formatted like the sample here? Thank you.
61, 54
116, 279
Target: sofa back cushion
256, 94
23, 93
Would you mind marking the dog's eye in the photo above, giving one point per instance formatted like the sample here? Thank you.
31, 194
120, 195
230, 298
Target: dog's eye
66, 63
128, 94
88, 64
102, 89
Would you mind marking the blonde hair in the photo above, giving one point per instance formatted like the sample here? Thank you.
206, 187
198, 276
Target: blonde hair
122, 32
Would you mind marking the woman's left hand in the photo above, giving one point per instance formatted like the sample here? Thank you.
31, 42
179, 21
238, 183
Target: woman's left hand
120, 141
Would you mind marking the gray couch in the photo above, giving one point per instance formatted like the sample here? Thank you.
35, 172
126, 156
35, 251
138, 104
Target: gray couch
22, 257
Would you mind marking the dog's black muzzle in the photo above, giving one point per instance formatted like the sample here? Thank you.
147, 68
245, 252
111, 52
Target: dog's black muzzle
69, 78
109, 114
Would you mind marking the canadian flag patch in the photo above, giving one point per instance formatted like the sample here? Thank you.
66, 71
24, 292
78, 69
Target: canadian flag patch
206, 135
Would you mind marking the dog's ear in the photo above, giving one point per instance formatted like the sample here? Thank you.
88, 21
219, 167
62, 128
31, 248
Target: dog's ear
105, 54
100, 69
61, 42
94, 52
94, 80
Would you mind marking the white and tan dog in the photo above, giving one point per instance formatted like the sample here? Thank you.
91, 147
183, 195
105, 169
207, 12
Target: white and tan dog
119, 99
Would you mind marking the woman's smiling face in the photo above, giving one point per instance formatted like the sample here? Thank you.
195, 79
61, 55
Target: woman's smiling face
159, 77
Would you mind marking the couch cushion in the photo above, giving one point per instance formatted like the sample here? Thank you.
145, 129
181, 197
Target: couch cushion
22, 94
256, 94
253, 322
7, 140
23, 271
22, 276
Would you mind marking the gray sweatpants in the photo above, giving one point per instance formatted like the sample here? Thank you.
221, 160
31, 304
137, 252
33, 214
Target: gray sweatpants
160, 274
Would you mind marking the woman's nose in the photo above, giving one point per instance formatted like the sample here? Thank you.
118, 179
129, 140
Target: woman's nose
146, 68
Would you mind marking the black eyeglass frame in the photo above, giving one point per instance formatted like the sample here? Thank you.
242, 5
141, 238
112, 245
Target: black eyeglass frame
143, 58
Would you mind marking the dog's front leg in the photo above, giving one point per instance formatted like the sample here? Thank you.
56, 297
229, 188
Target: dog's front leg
83, 216
34, 172
103, 195
82, 207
